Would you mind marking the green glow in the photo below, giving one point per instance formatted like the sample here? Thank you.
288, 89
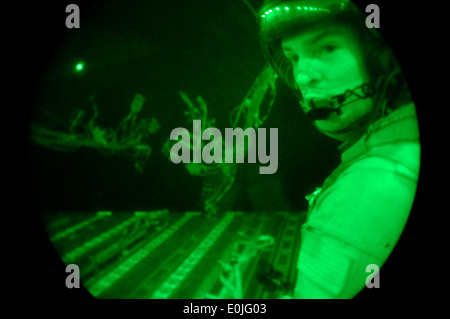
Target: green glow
298, 8
140, 254
79, 66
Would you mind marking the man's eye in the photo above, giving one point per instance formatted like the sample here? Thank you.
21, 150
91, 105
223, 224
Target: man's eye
329, 48
293, 58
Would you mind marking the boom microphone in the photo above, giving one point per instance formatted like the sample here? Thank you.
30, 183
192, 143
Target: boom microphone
321, 109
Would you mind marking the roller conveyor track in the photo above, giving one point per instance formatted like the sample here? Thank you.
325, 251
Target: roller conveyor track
187, 255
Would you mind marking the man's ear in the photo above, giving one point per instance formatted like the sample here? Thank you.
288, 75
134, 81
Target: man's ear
381, 60
386, 57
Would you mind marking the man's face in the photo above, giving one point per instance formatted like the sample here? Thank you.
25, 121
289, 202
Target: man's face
326, 62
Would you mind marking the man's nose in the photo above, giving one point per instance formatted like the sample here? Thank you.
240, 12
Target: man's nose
305, 80
307, 74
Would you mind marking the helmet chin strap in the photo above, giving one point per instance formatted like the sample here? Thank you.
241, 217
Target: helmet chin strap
352, 132
321, 109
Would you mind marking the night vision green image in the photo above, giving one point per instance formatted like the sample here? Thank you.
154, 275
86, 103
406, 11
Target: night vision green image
239, 149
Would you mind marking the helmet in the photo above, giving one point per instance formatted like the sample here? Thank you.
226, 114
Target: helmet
280, 18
